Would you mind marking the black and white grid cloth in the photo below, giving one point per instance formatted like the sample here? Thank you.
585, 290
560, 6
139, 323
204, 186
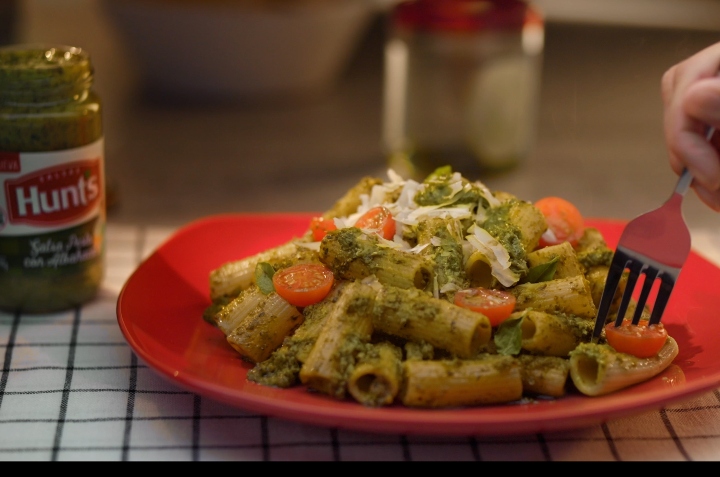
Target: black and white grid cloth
71, 389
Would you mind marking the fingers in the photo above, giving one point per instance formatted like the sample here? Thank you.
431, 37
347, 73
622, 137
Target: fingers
702, 101
691, 98
710, 197
692, 150
697, 78
676, 80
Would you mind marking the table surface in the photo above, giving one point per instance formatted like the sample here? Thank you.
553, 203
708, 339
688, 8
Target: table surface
72, 389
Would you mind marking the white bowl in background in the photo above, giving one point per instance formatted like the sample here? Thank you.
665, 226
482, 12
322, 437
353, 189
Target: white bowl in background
244, 49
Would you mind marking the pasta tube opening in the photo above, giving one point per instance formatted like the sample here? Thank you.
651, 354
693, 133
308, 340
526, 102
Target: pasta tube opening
598, 369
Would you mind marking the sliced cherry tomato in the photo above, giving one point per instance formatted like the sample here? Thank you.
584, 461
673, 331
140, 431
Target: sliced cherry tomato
641, 340
320, 226
565, 222
380, 219
497, 305
303, 284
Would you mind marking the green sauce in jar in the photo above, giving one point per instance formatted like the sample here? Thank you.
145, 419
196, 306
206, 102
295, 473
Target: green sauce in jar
52, 207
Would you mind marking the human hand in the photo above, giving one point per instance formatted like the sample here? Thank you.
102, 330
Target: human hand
691, 98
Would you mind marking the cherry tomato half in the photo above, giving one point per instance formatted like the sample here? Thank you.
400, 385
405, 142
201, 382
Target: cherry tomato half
320, 226
380, 219
641, 340
565, 222
303, 284
497, 305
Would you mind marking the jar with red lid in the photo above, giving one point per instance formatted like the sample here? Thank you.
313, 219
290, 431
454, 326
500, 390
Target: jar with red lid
461, 88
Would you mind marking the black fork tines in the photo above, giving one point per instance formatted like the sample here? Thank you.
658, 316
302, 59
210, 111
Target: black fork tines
635, 267
667, 282
617, 266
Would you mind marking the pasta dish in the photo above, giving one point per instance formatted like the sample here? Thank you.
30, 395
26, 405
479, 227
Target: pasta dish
435, 294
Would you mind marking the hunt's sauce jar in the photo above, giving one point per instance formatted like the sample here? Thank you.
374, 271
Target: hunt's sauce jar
462, 82
52, 202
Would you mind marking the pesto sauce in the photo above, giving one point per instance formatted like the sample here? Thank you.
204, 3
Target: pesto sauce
447, 256
45, 99
280, 370
344, 249
437, 190
46, 105
498, 224
601, 256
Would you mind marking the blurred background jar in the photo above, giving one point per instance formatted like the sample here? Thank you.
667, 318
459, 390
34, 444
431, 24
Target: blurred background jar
461, 87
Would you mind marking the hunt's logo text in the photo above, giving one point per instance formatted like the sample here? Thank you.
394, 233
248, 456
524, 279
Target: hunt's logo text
56, 195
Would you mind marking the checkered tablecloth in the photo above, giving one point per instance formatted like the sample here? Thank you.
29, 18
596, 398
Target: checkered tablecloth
72, 389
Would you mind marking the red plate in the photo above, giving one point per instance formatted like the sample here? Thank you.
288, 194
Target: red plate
159, 311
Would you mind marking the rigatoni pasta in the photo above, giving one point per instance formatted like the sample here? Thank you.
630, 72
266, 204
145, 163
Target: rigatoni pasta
598, 369
544, 375
347, 328
550, 334
233, 277
402, 323
414, 316
377, 376
354, 255
265, 328
489, 379
571, 295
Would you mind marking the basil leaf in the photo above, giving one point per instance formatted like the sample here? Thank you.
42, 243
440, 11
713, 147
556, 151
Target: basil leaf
543, 272
508, 337
263, 277
438, 173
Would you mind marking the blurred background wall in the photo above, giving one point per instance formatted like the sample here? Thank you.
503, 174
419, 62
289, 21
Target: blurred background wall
691, 14
599, 129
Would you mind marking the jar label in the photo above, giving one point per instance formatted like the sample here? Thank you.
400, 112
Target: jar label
52, 217
67, 251
49, 191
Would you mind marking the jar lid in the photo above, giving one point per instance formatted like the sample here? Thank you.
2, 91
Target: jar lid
462, 15
43, 66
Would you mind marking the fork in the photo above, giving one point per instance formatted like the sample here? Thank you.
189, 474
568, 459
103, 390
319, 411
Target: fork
655, 244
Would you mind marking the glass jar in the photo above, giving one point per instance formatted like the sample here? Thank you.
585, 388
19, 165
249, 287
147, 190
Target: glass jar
461, 85
52, 205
